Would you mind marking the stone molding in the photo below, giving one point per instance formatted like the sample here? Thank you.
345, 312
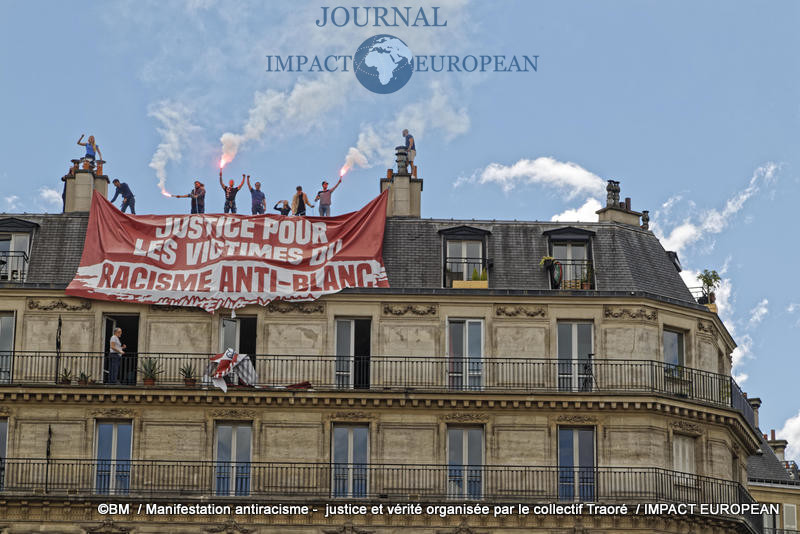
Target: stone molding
641, 313
59, 304
306, 308
686, 427
113, 412
233, 413
228, 527
418, 310
576, 419
107, 527
461, 417
510, 310
352, 416
347, 529
706, 327
171, 308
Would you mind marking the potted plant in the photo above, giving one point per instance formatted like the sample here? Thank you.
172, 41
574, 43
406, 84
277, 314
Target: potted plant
709, 281
547, 262
150, 370
586, 278
65, 377
83, 379
187, 372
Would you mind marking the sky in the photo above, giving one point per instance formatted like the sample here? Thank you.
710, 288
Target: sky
692, 105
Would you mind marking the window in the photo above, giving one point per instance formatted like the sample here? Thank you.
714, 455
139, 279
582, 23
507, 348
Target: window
3, 439
683, 454
350, 454
571, 251
790, 517
352, 353
465, 353
771, 522
673, 348
6, 346
113, 458
464, 261
465, 462
464, 255
233, 459
13, 257
239, 334
575, 351
576, 464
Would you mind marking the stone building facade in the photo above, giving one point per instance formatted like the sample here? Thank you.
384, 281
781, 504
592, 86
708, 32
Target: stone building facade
479, 378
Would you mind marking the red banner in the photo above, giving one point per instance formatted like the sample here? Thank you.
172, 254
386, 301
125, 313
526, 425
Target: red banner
228, 261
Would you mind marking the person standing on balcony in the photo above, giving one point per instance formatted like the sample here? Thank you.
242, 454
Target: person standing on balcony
91, 149
128, 201
115, 352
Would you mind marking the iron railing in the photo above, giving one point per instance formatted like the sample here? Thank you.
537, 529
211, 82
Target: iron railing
572, 274
385, 373
13, 266
458, 268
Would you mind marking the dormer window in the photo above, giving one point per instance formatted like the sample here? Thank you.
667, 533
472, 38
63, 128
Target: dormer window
15, 242
464, 256
572, 266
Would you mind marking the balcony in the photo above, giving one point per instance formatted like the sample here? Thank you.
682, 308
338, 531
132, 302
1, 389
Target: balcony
464, 273
13, 266
571, 274
400, 373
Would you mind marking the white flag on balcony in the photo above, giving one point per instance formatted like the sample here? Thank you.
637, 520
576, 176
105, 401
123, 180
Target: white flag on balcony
231, 363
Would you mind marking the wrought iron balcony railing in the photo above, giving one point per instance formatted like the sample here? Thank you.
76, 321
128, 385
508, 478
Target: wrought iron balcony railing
13, 266
458, 268
386, 373
571, 274
392, 482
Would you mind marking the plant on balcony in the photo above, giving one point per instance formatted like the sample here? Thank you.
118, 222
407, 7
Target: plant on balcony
485, 274
586, 278
188, 374
150, 369
709, 280
547, 262
65, 377
475, 274
83, 379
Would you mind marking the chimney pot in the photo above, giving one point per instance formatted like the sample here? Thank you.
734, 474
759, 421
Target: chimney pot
772, 435
627, 203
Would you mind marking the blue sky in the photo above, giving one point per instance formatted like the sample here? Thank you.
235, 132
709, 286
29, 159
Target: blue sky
692, 106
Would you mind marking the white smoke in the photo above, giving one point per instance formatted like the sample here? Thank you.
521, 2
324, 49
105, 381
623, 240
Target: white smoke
175, 131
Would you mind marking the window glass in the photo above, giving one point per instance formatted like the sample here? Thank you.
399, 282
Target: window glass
584, 340
224, 440
105, 441
790, 516
683, 452
3, 438
5, 243
455, 454
243, 443
360, 435
21, 243
565, 340
673, 347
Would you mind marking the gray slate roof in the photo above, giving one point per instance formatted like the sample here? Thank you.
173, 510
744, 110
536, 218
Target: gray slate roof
766, 466
626, 259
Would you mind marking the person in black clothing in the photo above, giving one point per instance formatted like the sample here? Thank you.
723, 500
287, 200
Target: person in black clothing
283, 207
300, 201
198, 196
128, 200
230, 193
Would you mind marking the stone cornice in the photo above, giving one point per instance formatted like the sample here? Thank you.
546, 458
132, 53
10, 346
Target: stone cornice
349, 402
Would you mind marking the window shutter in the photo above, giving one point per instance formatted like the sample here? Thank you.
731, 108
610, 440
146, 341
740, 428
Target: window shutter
790, 517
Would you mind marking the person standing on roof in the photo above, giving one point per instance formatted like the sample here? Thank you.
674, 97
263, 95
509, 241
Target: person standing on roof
259, 199
282, 206
91, 149
230, 193
299, 202
198, 196
411, 147
128, 201
324, 198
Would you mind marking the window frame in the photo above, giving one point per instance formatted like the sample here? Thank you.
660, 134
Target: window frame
114, 462
464, 234
580, 379
232, 475
466, 373
577, 480
682, 335
350, 467
466, 471
7, 356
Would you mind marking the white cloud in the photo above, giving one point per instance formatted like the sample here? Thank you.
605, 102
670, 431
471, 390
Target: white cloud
12, 203
757, 314
175, 132
715, 221
567, 176
437, 112
791, 433
793, 307
585, 213
50, 196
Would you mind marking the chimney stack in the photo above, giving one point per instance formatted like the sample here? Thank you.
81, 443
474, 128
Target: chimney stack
618, 211
80, 183
778, 445
405, 189
755, 403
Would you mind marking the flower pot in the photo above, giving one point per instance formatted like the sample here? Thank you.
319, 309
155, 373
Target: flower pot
83, 382
65, 382
586, 285
149, 381
190, 382
470, 284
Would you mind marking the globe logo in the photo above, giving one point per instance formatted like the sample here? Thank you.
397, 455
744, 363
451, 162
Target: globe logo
383, 64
